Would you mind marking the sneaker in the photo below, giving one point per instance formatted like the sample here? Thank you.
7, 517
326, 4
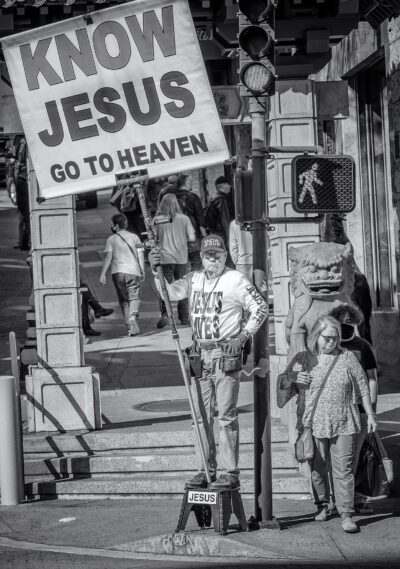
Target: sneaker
164, 320
199, 480
103, 312
323, 514
134, 329
228, 481
348, 525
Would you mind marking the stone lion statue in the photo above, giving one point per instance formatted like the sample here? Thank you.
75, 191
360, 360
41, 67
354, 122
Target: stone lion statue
322, 277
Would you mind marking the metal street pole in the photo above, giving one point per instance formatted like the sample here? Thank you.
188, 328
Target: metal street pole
259, 110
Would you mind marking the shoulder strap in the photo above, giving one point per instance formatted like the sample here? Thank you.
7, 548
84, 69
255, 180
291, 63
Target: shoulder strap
132, 251
322, 386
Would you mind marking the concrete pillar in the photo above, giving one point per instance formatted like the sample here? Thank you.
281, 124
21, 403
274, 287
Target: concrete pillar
62, 393
293, 123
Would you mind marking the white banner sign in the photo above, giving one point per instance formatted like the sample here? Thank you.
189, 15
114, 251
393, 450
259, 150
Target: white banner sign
118, 90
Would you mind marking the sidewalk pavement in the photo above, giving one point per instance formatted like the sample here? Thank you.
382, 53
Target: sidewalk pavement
143, 529
138, 371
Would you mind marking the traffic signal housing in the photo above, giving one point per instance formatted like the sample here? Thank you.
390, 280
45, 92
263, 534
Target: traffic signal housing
243, 182
323, 184
256, 47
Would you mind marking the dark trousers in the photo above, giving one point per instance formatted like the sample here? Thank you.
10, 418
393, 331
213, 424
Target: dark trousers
195, 261
174, 272
87, 297
24, 226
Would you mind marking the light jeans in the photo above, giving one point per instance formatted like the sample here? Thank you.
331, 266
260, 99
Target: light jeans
128, 292
336, 453
221, 388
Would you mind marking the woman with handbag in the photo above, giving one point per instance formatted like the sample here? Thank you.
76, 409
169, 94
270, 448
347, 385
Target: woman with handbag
127, 270
334, 380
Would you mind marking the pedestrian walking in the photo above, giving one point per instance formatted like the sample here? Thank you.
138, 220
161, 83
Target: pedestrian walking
350, 318
90, 303
225, 309
241, 249
220, 211
190, 204
127, 270
22, 197
174, 238
333, 380
125, 199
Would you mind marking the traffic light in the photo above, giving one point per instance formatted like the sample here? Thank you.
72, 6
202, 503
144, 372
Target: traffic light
256, 47
243, 181
323, 184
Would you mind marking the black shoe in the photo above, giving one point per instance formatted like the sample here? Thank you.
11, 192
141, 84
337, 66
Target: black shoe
164, 320
91, 332
199, 480
103, 312
228, 481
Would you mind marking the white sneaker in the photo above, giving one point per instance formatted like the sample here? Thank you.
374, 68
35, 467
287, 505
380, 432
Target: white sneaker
348, 525
134, 329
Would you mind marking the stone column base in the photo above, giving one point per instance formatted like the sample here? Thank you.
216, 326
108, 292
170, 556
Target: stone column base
63, 399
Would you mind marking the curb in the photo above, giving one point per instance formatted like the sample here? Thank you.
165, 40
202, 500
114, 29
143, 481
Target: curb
161, 548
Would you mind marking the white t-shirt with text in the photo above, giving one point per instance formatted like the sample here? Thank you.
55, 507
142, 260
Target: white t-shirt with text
217, 306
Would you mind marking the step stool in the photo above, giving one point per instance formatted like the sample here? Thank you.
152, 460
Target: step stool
215, 505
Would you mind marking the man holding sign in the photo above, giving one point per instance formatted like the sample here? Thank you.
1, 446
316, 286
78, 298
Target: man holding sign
219, 298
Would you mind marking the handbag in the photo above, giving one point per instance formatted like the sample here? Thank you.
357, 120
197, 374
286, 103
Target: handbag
304, 446
386, 461
370, 478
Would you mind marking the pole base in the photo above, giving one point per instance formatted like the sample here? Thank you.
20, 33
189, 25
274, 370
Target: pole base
255, 524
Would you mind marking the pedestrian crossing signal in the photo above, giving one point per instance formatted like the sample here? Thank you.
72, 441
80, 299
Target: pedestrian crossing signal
323, 184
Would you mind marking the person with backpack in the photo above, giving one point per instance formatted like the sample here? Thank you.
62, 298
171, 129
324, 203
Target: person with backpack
220, 212
174, 238
190, 205
126, 200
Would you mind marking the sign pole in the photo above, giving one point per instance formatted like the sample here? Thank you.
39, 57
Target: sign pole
259, 110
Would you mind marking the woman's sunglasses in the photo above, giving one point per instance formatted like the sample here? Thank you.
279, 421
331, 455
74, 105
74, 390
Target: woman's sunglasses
329, 338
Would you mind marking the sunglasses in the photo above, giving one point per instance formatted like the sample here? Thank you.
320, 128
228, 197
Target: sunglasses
209, 255
329, 338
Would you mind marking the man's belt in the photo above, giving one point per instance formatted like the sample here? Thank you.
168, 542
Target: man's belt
209, 345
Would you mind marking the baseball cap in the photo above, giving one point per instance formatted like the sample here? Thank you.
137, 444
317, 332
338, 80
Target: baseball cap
213, 243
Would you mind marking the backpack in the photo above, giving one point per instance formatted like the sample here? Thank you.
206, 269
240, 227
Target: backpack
129, 200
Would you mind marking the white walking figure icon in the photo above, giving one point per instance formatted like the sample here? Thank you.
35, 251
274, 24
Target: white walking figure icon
307, 180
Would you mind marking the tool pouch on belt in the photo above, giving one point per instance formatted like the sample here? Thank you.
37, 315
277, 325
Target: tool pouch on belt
194, 358
231, 362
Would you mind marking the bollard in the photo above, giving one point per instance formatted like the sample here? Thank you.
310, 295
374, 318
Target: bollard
18, 415
9, 471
